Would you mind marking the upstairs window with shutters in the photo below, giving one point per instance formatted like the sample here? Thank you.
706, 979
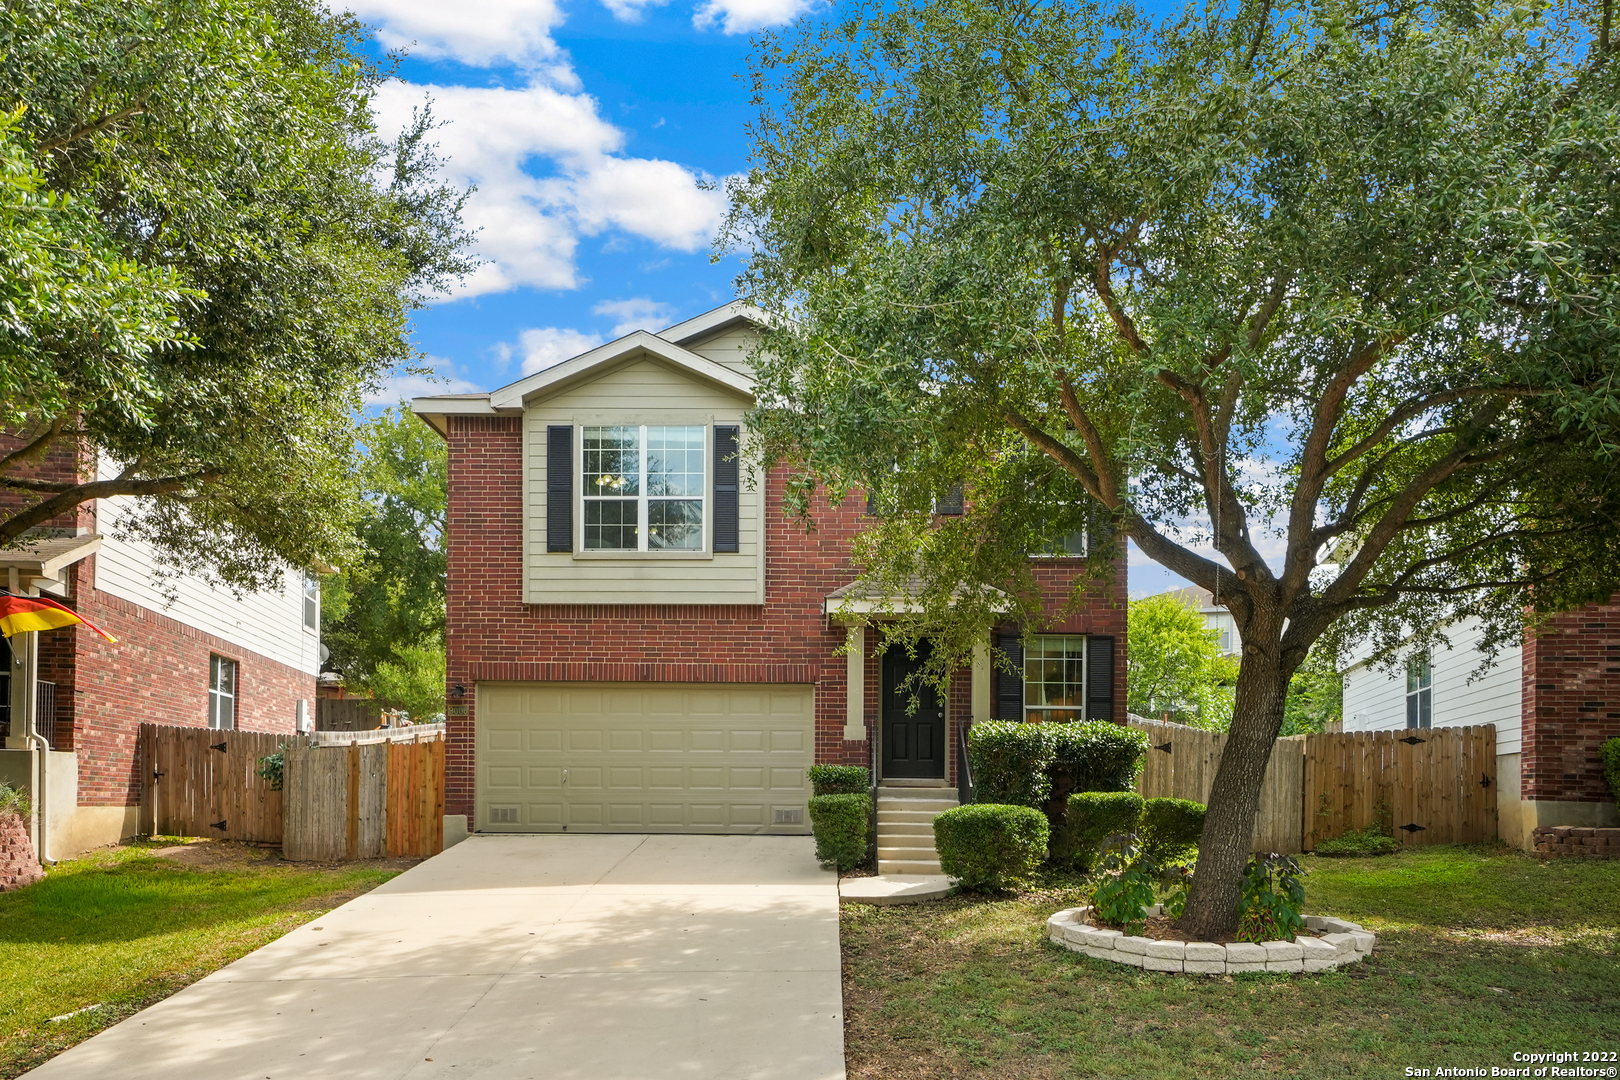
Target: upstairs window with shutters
642, 487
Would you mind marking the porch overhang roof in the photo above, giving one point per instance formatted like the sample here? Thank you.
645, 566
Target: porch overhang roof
860, 602
39, 564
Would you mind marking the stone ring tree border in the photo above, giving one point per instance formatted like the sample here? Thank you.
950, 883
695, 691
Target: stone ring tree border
1340, 943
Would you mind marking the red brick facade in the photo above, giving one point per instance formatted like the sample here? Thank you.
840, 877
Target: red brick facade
493, 635
1571, 704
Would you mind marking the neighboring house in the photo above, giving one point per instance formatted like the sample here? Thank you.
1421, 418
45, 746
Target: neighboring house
639, 638
1554, 699
1215, 616
186, 654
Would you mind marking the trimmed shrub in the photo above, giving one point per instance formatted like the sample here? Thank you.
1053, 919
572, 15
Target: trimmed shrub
1095, 755
1171, 828
839, 780
1092, 817
1372, 840
990, 845
1611, 765
1010, 760
840, 825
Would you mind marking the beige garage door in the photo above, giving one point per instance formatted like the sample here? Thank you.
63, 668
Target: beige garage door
643, 757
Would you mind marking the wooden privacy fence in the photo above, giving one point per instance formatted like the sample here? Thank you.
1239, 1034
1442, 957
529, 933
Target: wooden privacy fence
201, 782
347, 714
1181, 764
364, 800
1429, 786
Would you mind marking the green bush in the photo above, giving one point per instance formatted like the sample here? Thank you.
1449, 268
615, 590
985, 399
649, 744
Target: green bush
1171, 827
1090, 818
990, 845
839, 780
1022, 764
1096, 755
14, 803
840, 825
1369, 841
1010, 762
1272, 899
1611, 765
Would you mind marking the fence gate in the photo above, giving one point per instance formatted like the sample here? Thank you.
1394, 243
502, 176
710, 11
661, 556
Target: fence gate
363, 800
202, 782
1428, 785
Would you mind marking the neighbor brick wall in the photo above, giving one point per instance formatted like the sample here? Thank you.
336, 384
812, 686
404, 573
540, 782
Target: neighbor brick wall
1571, 704
492, 634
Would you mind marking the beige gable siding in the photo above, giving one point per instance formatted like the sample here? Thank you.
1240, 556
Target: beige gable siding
643, 391
730, 347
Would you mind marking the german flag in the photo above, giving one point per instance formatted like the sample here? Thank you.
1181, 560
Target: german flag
20, 614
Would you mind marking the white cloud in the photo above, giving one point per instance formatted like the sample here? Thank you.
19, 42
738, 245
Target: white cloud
630, 10
477, 32
742, 16
442, 380
637, 313
529, 225
544, 346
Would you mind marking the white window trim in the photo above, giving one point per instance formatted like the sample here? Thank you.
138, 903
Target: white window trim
215, 696
641, 550
1415, 722
1085, 677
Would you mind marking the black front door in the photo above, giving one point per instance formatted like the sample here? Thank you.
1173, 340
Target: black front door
913, 739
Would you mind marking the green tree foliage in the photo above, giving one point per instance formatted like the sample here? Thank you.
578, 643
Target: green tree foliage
1315, 696
1346, 271
218, 259
1176, 665
382, 614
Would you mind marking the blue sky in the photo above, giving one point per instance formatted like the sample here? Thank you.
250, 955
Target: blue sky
592, 130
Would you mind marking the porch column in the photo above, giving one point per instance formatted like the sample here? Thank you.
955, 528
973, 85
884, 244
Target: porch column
983, 678
855, 685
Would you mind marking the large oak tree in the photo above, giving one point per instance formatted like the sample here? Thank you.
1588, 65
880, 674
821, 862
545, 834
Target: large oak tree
1335, 282
210, 258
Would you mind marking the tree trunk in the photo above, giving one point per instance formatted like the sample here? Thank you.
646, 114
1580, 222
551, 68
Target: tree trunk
1234, 800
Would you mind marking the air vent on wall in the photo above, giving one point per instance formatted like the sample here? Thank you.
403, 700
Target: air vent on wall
788, 815
503, 815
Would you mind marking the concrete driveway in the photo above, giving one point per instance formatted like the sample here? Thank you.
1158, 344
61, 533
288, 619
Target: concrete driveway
554, 957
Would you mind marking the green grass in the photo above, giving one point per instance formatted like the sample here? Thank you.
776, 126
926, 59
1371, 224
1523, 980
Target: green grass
1482, 952
123, 928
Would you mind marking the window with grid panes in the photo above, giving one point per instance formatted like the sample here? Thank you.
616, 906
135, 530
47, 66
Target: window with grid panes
221, 693
1055, 678
643, 487
1419, 693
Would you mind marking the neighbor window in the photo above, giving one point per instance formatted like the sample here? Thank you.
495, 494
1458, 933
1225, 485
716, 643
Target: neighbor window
221, 693
643, 488
1419, 693
1055, 677
312, 602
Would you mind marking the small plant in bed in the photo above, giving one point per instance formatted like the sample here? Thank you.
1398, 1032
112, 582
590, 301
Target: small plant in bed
1272, 898
1132, 881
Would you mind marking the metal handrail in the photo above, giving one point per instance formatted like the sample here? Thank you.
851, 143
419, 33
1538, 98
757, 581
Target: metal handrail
964, 767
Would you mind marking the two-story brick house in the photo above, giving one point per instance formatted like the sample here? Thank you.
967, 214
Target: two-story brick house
640, 639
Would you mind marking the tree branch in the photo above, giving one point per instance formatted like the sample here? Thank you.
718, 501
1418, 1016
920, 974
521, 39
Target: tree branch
20, 522
95, 127
25, 455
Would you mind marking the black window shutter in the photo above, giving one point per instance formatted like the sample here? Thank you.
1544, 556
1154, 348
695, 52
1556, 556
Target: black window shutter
725, 488
1010, 685
560, 487
951, 504
871, 502
1099, 678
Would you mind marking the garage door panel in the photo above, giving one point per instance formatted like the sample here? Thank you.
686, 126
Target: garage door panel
787, 741
659, 757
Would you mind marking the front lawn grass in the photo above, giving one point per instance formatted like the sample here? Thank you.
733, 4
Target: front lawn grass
1482, 952
123, 928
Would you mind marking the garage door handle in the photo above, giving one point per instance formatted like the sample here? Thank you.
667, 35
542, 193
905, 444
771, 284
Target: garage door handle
565, 776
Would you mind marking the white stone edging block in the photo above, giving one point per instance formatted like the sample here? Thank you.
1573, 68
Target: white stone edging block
1340, 943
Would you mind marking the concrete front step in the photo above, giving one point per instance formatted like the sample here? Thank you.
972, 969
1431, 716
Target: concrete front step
905, 831
887, 867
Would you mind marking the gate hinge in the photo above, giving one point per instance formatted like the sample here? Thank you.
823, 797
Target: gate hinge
1412, 828
1165, 748
1484, 781
221, 747
1412, 740
220, 825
